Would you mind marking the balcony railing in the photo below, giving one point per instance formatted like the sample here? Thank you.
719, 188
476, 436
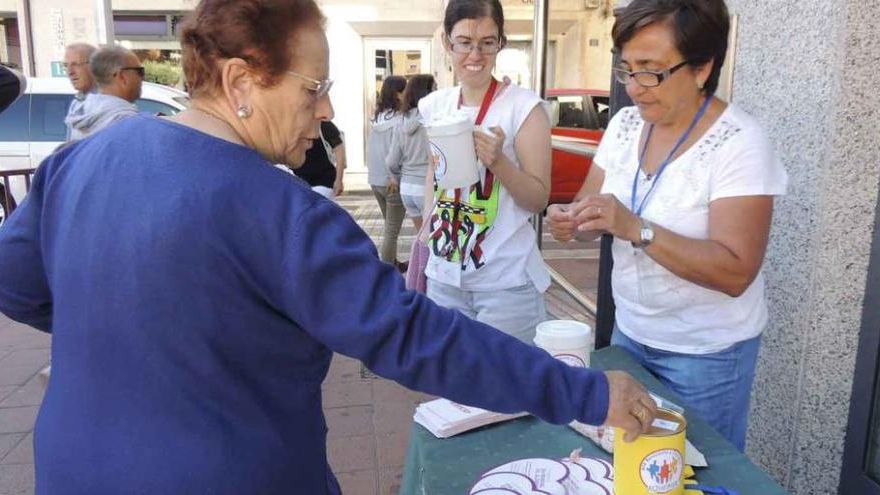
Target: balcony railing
7, 200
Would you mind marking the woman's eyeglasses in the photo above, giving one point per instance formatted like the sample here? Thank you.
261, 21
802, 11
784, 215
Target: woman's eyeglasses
486, 47
646, 78
140, 70
317, 88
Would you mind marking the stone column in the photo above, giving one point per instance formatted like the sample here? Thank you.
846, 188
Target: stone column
807, 70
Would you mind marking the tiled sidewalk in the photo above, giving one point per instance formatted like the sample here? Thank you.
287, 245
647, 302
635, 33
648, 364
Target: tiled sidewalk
369, 418
23, 353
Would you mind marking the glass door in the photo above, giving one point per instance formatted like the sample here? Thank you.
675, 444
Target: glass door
385, 57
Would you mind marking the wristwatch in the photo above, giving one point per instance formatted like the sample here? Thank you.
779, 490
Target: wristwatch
646, 235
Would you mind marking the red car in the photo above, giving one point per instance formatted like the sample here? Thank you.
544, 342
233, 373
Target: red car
579, 118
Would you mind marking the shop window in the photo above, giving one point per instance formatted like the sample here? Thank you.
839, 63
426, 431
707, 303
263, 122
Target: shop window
140, 25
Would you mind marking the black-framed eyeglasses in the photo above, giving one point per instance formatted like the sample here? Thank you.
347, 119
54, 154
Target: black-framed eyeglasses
140, 70
487, 47
318, 88
646, 78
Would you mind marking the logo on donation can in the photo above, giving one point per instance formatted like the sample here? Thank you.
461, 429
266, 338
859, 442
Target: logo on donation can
661, 471
571, 360
439, 161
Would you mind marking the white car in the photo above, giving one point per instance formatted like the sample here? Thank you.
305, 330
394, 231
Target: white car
33, 126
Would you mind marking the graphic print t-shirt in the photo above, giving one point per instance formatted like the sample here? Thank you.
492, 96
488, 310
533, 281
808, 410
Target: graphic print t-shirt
481, 228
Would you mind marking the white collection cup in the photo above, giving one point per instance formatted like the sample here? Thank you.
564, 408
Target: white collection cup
452, 147
567, 340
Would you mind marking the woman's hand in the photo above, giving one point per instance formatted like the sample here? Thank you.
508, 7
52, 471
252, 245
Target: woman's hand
562, 225
629, 405
489, 147
393, 185
605, 213
338, 186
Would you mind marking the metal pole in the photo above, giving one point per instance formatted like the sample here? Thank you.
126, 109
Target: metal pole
539, 77
605, 307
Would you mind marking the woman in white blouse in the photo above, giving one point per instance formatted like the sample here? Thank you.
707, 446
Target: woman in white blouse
685, 183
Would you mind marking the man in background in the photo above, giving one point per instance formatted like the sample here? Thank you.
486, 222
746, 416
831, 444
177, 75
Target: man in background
120, 76
76, 63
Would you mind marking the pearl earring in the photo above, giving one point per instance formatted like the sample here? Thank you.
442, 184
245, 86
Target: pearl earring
243, 112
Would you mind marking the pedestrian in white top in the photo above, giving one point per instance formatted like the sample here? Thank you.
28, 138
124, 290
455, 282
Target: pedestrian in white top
483, 257
685, 183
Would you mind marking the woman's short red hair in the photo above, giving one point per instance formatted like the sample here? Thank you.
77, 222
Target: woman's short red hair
259, 32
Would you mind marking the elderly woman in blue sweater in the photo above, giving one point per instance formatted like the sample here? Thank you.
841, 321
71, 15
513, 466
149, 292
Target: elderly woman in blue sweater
192, 289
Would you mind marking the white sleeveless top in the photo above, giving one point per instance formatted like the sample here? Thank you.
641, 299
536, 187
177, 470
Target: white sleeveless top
654, 306
496, 246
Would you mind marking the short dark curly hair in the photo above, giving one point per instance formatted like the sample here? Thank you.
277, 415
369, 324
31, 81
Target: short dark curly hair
701, 29
260, 32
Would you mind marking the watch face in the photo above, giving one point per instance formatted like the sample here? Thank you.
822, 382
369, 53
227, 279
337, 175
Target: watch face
647, 235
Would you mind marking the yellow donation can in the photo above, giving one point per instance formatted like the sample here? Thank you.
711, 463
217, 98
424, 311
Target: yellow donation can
653, 463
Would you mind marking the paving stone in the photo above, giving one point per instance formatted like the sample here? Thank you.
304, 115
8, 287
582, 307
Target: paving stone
343, 368
349, 421
347, 393
27, 357
17, 419
18, 479
8, 442
358, 482
390, 480
5, 390
390, 417
391, 449
388, 391
352, 453
23, 453
29, 394
17, 375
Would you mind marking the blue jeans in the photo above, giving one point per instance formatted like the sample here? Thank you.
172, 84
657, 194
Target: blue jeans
716, 387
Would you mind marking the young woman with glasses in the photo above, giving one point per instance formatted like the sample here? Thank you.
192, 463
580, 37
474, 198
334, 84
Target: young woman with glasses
483, 258
685, 183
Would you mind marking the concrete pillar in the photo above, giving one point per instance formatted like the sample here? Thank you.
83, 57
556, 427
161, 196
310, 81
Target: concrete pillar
807, 70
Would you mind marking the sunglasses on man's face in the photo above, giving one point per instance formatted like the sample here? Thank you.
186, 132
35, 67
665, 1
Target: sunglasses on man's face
140, 70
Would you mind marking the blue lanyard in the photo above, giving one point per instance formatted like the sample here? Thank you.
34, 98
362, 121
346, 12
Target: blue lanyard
662, 167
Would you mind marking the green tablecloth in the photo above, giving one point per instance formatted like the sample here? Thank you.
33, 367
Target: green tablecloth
451, 466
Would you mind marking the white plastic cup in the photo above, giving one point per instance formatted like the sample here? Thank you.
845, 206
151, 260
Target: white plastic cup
452, 148
567, 340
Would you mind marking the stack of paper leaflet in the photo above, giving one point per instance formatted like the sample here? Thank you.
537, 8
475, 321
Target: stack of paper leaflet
445, 418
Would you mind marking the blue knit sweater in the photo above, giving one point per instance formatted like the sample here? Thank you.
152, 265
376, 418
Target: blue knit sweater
195, 295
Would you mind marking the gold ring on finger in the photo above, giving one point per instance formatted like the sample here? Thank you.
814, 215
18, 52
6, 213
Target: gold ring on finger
640, 414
